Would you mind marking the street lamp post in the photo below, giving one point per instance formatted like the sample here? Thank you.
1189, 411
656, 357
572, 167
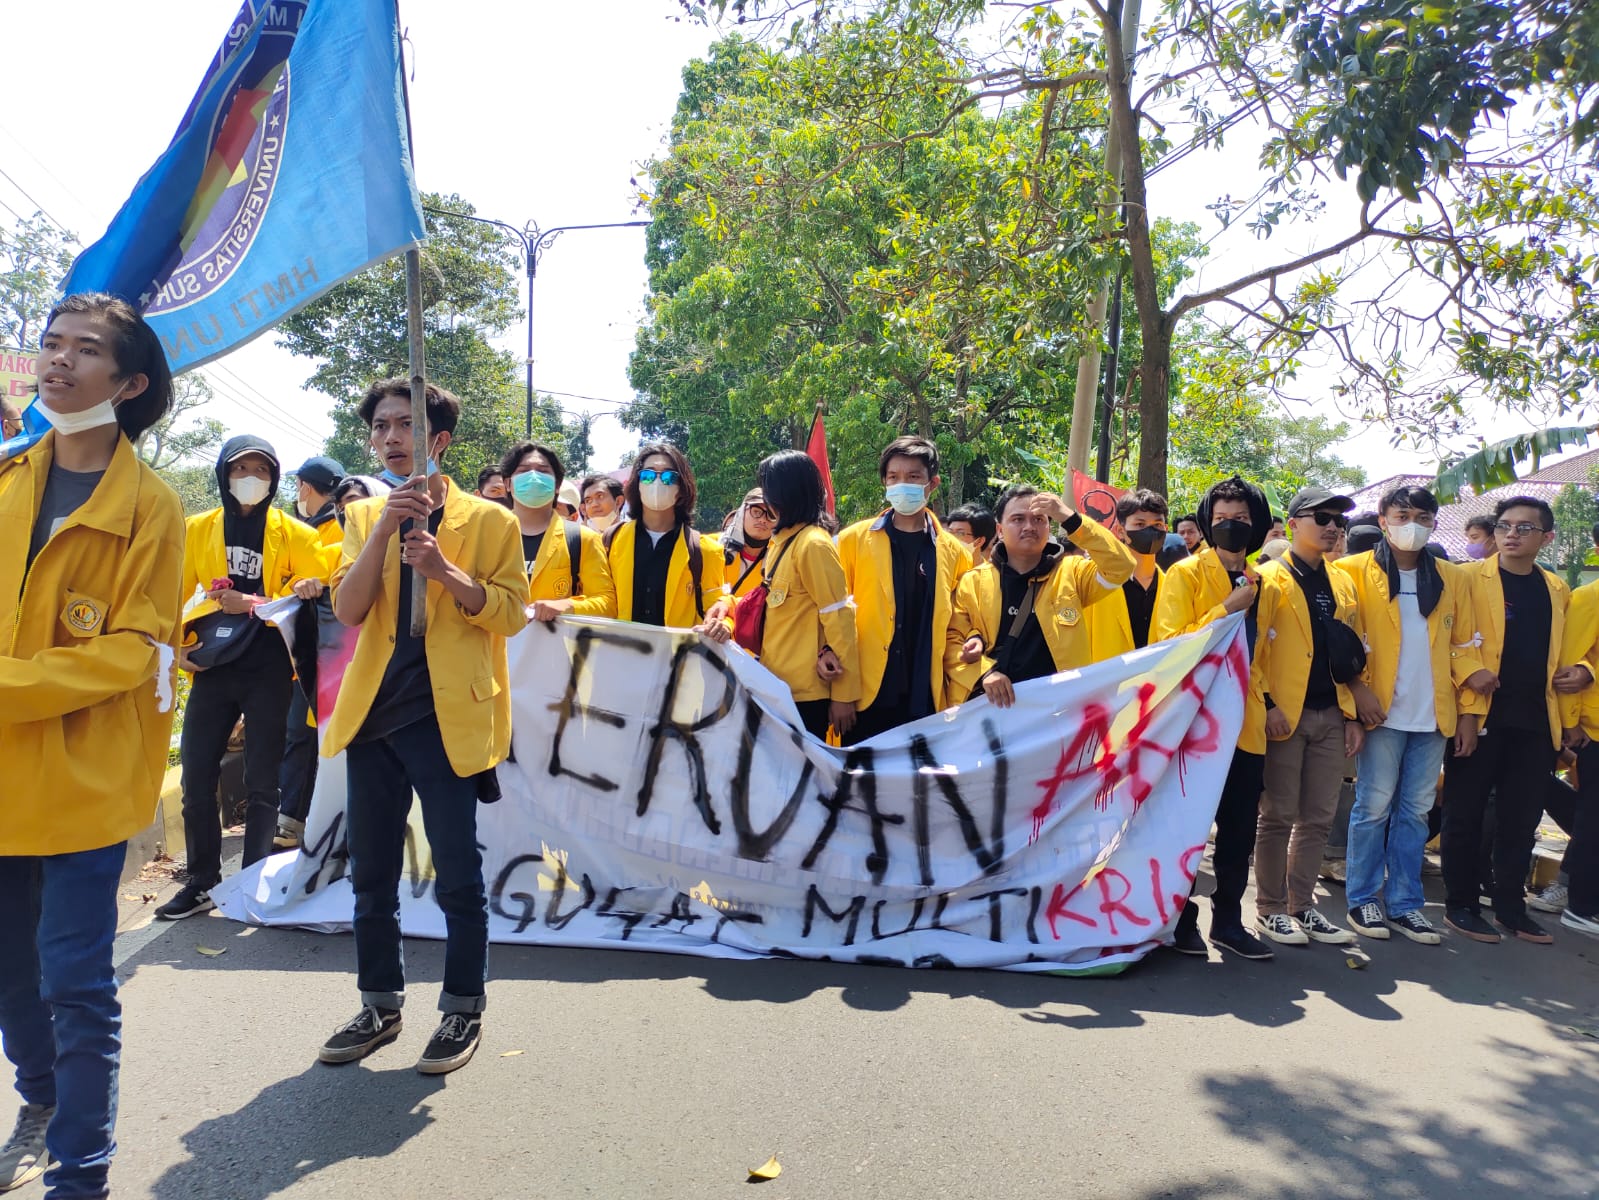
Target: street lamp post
534, 242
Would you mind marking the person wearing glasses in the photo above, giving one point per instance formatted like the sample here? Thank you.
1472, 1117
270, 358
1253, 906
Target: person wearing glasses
665, 573
1310, 719
748, 531
1520, 613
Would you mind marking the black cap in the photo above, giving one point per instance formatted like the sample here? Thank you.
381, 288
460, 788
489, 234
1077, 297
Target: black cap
322, 473
1311, 498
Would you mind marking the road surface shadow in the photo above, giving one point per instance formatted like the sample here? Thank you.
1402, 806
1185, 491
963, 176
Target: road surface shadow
299, 1126
1349, 1139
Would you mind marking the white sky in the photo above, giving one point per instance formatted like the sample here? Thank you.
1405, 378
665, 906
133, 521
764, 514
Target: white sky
532, 111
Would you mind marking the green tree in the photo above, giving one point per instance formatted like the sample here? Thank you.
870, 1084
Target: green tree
34, 256
182, 436
1576, 510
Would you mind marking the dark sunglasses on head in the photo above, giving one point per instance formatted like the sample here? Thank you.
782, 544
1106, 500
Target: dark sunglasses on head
1328, 518
650, 475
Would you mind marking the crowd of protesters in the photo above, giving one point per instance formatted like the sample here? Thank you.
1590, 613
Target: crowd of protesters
1448, 692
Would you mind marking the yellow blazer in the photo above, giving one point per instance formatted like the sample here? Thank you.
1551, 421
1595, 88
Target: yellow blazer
90, 632
1488, 607
1110, 628
869, 570
1191, 596
732, 570
1285, 646
465, 653
290, 551
1451, 636
1580, 644
1061, 607
681, 612
807, 608
551, 577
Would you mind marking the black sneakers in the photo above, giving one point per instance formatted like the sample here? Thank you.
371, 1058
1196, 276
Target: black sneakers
1238, 940
452, 1045
1367, 919
1417, 928
1185, 939
1469, 924
372, 1027
1525, 928
187, 903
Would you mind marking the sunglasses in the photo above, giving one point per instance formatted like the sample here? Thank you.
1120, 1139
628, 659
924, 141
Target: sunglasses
1328, 518
650, 475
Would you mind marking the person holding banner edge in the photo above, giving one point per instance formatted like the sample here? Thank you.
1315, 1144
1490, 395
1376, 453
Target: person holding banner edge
428, 715
86, 707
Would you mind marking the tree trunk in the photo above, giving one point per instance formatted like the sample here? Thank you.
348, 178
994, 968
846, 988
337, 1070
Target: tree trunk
1155, 374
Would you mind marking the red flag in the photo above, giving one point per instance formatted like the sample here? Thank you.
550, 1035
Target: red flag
1095, 499
816, 448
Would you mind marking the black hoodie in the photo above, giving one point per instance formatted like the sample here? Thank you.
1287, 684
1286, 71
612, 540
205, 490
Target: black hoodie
244, 536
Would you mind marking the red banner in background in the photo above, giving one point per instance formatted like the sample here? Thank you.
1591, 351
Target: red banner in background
816, 448
1095, 499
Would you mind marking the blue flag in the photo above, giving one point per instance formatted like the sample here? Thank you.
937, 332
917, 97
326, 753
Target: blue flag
290, 172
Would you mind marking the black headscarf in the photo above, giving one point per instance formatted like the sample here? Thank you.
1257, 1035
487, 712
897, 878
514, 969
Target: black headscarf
1429, 583
239, 528
1259, 512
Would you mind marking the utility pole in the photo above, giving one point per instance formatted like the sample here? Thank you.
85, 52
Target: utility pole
1083, 402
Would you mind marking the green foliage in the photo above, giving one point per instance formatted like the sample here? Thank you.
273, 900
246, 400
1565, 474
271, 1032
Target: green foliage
1575, 510
356, 333
1494, 465
34, 256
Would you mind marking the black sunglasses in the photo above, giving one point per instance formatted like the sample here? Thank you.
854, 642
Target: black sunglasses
1329, 518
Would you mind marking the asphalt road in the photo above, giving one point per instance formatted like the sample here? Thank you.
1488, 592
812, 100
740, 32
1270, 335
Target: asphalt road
1456, 1071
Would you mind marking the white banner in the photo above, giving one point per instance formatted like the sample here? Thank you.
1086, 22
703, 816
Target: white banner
665, 797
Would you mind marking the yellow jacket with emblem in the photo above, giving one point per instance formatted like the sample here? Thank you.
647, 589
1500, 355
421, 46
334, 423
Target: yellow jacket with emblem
1488, 609
1110, 627
1451, 635
1061, 605
465, 653
863, 548
87, 682
740, 577
550, 573
1286, 643
681, 610
1192, 594
1581, 645
290, 551
807, 608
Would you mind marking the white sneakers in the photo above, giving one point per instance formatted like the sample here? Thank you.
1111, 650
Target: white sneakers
1308, 926
24, 1158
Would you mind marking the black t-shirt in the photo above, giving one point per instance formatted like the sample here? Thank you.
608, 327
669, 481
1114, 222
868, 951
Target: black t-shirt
1521, 702
1141, 608
1320, 690
652, 562
406, 694
65, 492
530, 550
1027, 656
907, 676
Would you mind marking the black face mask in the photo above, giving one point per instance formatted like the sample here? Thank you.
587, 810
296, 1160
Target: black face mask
1146, 540
1231, 536
755, 543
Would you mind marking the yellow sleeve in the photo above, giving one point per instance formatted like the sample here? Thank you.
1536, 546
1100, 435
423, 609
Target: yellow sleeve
1109, 563
713, 571
500, 568
1174, 607
356, 520
1579, 646
142, 616
848, 544
599, 589
306, 557
191, 566
823, 577
962, 677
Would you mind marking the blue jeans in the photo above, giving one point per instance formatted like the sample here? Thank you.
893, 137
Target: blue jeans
1395, 787
382, 775
59, 1015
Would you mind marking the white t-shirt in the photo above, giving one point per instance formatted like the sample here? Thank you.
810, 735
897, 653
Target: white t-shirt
1414, 708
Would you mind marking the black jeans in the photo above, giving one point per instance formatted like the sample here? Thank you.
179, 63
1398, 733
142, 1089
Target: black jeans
1515, 765
1582, 856
382, 776
814, 715
1237, 817
297, 778
256, 686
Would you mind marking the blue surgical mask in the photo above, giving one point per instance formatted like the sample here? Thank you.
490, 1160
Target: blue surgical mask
394, 481
534, 489
907, 499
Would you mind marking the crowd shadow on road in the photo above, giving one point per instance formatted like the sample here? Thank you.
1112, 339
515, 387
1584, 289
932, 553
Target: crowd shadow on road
1348, 1139
300, 1126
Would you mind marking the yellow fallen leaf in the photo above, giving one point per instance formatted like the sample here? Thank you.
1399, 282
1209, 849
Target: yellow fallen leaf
210, 953
512, 1053
770, 1169
1357, 964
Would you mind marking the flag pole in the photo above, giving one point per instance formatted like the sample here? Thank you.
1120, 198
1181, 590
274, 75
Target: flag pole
419, 419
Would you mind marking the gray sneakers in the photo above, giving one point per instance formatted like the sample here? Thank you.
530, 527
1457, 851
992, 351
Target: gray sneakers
24, 1158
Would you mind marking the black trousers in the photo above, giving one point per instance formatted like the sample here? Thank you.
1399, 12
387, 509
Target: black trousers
257, 687
1513, 764
1237, 816
297, 777
814, 715
1582, 856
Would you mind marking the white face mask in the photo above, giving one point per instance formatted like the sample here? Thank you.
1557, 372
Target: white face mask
1411, 536
249, 490
658, 496
304, 509
100, 415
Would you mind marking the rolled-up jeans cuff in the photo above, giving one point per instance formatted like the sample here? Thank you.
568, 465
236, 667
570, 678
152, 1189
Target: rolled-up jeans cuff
391, 1001
462, 1004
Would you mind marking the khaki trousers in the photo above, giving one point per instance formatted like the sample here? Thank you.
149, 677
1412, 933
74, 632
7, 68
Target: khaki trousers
1303, 775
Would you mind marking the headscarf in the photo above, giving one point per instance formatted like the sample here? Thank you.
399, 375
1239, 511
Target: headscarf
1259, 513
1429, 582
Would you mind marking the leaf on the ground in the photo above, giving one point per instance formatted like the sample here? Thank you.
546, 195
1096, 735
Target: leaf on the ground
770, 1169
512, 1053
1357, 964
147, 897
210, 952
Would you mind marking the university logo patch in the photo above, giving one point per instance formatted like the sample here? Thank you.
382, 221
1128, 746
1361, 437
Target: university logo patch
83, 615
